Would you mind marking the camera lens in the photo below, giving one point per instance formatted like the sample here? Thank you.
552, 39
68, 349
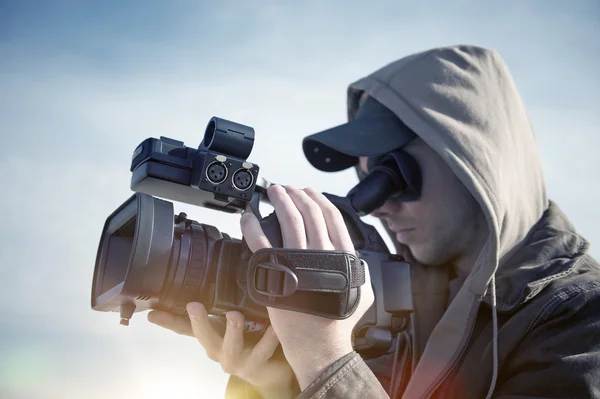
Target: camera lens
119, 246
150, 258
133, 254
191, 268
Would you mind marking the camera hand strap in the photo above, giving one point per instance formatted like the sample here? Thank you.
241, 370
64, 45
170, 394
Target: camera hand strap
319, 282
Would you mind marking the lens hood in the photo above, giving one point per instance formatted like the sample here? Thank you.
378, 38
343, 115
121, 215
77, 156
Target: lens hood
133, 255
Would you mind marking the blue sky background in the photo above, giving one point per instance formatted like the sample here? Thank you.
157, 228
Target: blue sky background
82, 83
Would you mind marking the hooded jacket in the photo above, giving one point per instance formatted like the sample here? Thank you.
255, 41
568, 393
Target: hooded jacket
525, 323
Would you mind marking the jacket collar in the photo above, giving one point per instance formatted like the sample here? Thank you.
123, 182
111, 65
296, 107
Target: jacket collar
549, 252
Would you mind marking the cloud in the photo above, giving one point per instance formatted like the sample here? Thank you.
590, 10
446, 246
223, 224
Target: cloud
83, 85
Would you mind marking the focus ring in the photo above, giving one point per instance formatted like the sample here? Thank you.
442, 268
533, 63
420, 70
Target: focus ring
196, 268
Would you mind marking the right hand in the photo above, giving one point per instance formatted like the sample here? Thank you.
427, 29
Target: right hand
271, 377
308, 220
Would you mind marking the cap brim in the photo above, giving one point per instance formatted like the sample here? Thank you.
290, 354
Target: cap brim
338, 148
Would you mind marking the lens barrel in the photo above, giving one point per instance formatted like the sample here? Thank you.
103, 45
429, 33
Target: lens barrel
148, 258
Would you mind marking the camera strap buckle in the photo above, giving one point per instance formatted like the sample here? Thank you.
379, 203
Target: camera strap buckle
273, 279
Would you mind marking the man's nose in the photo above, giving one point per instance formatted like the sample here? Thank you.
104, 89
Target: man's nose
377, 213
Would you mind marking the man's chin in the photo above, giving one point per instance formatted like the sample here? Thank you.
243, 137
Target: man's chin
415, 257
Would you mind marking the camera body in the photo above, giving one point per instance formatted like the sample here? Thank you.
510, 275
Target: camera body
150, 258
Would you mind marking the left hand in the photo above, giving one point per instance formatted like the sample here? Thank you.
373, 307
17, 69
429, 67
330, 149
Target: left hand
272, 377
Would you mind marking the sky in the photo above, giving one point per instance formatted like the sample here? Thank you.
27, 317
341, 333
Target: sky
83, 83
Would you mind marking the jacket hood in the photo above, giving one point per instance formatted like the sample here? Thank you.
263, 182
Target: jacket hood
463, 103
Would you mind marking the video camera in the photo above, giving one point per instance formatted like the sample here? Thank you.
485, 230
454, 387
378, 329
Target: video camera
151, 258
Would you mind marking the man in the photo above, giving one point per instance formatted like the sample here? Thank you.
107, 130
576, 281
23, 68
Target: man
507, 300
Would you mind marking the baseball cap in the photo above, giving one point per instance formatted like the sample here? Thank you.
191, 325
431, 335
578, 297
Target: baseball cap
374, 131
